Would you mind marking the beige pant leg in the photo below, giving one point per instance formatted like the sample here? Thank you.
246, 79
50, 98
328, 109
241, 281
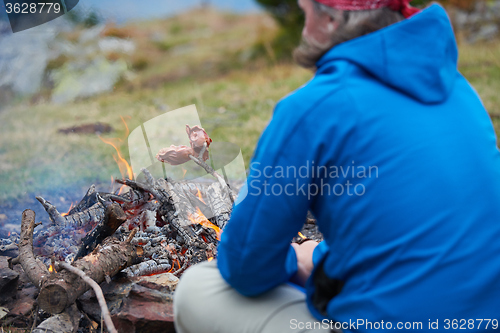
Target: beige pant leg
205, 303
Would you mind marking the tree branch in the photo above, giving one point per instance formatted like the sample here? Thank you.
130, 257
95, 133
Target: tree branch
34, 268
98, 293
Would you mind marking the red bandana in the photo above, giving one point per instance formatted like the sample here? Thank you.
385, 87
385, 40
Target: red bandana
402, 6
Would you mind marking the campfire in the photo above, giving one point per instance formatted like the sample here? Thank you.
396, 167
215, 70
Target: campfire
145, 229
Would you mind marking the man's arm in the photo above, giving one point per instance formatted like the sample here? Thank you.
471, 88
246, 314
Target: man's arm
306, 132
255, 254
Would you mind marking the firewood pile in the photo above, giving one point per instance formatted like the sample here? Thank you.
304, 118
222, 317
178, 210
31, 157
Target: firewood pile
144, 236
171, 227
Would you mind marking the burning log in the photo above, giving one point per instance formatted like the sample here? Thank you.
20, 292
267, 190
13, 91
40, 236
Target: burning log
62, 289
91, 215
178, 210
87, 201
136, 199
113, 219
90, 210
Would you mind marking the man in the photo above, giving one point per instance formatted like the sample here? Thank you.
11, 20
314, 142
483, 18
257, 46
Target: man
393, 152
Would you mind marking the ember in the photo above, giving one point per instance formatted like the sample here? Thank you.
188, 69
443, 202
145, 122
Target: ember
69, 210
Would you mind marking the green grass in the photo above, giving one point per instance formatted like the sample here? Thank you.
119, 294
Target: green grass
480, 64
208, 62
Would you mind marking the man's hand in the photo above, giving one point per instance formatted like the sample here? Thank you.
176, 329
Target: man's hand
305, 265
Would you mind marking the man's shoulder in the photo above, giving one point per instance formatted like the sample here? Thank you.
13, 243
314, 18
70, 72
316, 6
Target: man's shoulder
323, 96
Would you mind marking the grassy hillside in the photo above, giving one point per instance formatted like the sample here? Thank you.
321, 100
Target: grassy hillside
201, 57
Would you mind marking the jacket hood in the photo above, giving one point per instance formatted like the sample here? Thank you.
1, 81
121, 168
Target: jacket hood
417, 56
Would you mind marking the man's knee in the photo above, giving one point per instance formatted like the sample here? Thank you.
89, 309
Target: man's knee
195, 284
194, 290
202, 273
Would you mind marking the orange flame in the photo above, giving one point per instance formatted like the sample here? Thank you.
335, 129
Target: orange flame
210, 259
70, 208
8, 235
124, 167
302, 236
200, 196
184, 173
126, 126
52, 269
172, 250
199, 218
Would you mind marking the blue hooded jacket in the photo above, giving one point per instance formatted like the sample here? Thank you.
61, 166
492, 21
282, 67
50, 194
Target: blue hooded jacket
393, 152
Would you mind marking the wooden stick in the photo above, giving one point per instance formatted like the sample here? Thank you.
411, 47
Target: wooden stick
54, 214
98, 293
211, 171
202, 151
93, 214
34, 268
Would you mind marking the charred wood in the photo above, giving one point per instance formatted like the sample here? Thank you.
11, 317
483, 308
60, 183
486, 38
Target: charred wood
54, 214
113, 219
149, 267
91, 215
185, 265
87, 201
136, 198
